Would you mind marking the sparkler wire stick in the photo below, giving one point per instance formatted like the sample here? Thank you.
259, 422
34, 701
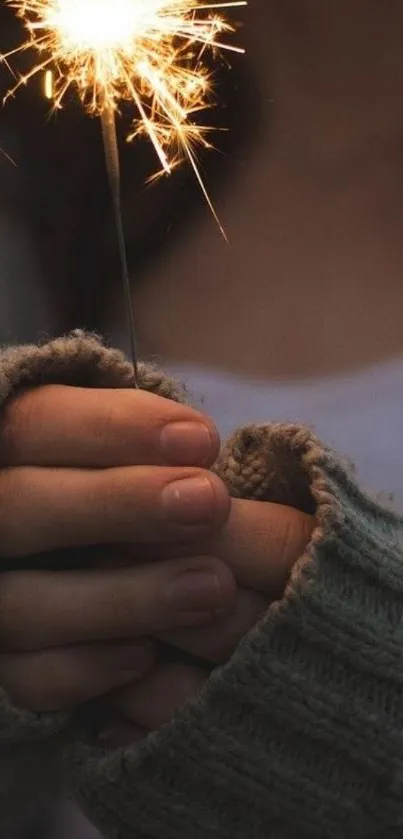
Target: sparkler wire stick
108, 122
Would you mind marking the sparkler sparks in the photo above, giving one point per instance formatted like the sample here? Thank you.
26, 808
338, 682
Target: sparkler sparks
145, 52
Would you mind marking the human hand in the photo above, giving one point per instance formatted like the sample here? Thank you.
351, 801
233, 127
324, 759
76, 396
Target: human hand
75, 472
260, 543
84, 467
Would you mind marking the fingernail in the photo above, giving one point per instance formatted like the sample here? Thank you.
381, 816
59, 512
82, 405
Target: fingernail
195, 591
189, 501
186, 443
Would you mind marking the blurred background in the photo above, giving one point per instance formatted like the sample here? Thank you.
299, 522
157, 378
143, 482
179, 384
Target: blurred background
299, 317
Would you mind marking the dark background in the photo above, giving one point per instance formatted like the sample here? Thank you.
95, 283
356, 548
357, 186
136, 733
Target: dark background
59, 194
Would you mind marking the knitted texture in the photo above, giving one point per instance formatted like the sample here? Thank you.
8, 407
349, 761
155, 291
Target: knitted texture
80, 360
300, 734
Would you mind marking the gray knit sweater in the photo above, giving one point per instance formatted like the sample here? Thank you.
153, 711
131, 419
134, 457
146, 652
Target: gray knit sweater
301, 733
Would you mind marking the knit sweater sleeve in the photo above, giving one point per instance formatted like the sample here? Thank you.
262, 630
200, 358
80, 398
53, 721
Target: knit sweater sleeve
301, 733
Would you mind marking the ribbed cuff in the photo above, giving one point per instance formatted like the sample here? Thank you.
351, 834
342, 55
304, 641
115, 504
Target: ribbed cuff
301, 733
80, 360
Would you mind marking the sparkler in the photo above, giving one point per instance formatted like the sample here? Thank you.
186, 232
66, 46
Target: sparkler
147, 53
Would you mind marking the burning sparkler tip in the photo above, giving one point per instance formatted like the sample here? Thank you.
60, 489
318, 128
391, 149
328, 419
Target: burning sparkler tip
149, 53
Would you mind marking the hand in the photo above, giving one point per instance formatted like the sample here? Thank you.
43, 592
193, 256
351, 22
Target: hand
74, 474
104, 466
260, 543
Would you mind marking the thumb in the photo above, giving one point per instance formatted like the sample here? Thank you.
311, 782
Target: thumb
261, 542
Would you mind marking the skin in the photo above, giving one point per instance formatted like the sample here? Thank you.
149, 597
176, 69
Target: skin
74, 474
260, 542
70, 478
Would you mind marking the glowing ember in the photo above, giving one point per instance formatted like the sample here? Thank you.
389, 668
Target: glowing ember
145, 52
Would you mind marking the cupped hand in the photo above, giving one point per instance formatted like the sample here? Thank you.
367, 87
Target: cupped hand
260, 544
99, 467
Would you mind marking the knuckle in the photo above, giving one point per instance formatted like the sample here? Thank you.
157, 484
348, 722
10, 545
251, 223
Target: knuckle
7, 492
118, 427
111, 427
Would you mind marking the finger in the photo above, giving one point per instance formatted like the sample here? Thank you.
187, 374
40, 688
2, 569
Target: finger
48, 609
45, 509
217, 641
60, 678
153, 700
261, 542
66, 426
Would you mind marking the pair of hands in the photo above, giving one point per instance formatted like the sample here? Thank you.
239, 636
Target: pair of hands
177, 563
